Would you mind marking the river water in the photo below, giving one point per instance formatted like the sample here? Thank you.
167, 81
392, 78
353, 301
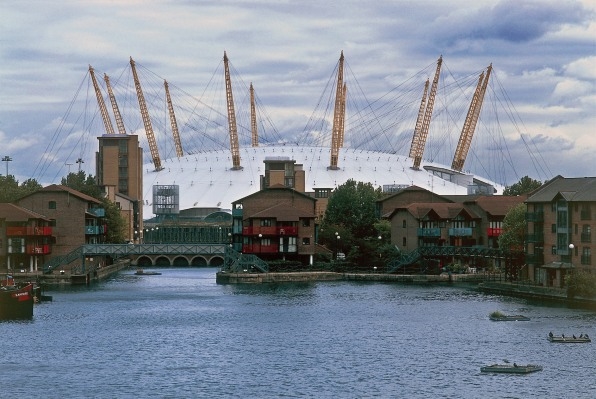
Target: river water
181, 335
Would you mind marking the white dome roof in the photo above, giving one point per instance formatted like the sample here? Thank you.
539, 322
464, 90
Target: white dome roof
207, 179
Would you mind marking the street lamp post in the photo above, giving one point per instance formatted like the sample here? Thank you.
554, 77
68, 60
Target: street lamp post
260, 243
6, 159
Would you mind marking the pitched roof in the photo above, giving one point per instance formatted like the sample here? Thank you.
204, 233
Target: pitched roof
15, 213
283, 211
499, 205
442, 210
577, 189
275, 187
61, 188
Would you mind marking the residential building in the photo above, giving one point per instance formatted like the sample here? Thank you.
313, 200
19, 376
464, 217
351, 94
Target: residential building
561, 216
25, 238
275, 223
76, 218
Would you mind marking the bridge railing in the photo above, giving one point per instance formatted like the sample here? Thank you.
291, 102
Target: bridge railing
237, 262
122, 250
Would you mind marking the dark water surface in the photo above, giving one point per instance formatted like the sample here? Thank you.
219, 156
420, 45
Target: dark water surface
180, 335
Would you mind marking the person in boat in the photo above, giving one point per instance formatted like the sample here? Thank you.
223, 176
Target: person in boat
515, 365
550, 334
562, 335
574, 336
586, 336
581, 335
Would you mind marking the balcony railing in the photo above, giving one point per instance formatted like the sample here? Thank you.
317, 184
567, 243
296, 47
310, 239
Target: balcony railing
535, 216
494, 231
38, 249
28, 231
429, 232
535, 259
537, 237
259, 249
94, 230
99, 212
460, 232
270, 230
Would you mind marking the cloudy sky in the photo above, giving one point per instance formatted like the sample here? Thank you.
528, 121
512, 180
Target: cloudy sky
543, 52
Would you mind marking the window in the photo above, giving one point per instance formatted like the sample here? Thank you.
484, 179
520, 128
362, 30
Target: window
52, 205
305, 222
306, 241
265, 222
553, 228
404, 241
553, 250
404, 224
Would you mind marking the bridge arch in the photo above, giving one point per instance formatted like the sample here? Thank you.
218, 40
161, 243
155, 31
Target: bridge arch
180, 261
163, 261
144, 261
199, 261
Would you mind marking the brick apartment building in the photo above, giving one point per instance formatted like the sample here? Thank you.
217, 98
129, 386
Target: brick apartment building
277, 222
560, 220
25, 238
75, 218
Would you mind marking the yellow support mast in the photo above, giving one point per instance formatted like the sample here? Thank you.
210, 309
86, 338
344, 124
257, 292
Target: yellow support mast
102, 105
427, 116
234, 147
173, 123
117, 116
465, 139
418, 128
146, 119
338, 118
253, 118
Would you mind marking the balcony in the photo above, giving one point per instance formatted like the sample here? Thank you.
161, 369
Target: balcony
429, 232
494, 231
259, 249
537, 237
270, 230
38, 250
237, 212
535, 259
97, 212
94, 230
535, 216
28, 231
460, 232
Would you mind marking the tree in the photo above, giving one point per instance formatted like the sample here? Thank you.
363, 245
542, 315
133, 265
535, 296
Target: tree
81, 182
351, 214
352, 207
10, 190
514, 229
525, 185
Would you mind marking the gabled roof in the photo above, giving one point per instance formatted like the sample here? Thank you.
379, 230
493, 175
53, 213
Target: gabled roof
441, 210
283, 212
577, 189
411, 189
498, 205
61, 188
15, 213
275, 187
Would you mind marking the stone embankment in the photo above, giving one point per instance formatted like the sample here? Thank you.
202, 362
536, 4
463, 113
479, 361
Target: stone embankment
247, 278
